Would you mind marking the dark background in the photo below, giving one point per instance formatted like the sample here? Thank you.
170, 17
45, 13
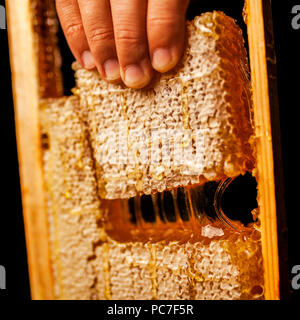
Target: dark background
287, 41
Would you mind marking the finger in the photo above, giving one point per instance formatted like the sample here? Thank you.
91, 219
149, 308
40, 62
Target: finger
70, 19
129, 20
166, 32
97, 23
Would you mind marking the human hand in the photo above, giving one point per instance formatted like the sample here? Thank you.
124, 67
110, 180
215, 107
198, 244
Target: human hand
125, 39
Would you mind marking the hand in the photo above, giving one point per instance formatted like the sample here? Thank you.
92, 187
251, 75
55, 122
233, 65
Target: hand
125, 39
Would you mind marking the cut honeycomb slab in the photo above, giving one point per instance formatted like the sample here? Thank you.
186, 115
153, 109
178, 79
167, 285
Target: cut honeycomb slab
208, 92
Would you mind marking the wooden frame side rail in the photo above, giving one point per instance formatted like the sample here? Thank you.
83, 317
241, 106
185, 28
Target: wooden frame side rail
25, 75
264, 142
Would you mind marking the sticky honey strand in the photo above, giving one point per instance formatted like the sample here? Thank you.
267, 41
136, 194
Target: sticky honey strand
176, 214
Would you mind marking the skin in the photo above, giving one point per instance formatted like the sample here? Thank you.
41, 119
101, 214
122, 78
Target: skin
126, 40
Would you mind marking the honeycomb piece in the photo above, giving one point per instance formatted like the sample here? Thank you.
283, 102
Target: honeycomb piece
87, 263
130, 276
72, 202
188, 126
45, 27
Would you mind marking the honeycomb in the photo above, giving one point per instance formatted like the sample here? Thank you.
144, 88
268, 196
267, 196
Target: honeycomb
189, 126
88, 263
45, 27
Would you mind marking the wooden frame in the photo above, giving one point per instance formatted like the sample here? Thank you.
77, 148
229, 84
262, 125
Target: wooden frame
24, 67
265, 161
25, 75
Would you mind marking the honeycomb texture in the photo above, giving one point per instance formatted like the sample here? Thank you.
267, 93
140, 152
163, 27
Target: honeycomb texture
72, 201
45, 26
88, 264
189, 126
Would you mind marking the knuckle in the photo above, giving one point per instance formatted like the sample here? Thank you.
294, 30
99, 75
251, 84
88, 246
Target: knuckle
100, 34
128, 37
165, 21
73, 30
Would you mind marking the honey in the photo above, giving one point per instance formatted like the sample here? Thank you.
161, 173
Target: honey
181, 214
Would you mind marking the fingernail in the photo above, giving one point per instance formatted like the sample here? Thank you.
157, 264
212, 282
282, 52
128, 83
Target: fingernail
88, 60
162, 60
135, 77
112, 69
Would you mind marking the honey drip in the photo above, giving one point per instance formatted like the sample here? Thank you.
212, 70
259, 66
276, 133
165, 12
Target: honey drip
173, 215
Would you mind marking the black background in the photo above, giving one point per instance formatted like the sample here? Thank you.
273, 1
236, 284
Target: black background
287, 41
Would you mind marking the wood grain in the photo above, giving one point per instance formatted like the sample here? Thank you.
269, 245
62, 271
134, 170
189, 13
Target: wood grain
24, 66
264, 144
